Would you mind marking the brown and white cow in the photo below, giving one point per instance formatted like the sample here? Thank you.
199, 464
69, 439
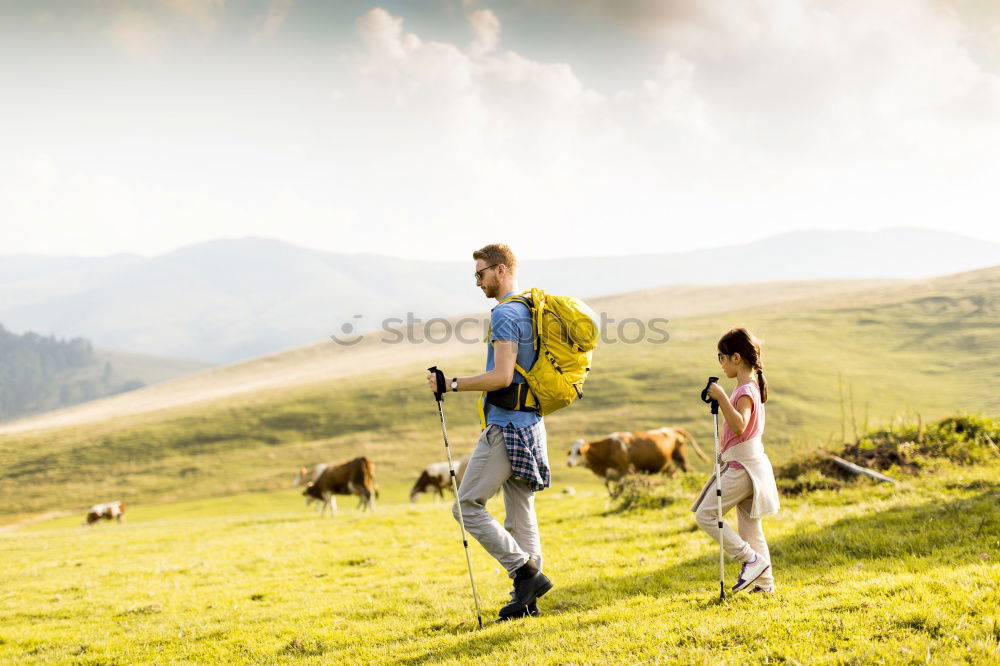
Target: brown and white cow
435, 478
108, 511
354, 477
306, 475
651, 451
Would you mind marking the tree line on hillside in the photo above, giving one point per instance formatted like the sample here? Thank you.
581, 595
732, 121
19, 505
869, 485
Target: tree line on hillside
38, 373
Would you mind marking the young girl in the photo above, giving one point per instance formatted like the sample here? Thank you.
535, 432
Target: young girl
747, 478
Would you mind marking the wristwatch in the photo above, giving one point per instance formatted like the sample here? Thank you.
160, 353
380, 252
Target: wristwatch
454, 383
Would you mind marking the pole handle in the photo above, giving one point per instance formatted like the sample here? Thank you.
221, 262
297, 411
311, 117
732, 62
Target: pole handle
705, 397
441, 388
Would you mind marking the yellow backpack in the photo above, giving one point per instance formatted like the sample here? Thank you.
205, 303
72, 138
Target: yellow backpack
566, 330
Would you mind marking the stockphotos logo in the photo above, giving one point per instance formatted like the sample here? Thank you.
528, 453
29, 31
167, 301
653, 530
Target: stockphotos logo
472, 330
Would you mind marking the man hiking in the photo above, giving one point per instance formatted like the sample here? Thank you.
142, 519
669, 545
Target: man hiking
510, 453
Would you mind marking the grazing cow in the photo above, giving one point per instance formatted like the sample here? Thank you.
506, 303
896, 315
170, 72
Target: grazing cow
435, 478
307, 475
350, 478
105, 511
652, 452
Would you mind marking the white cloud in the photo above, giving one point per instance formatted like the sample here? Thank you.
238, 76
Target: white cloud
474, 101
204, 12
821, 80
738, 120
761, 113
277, 11
137, 34
382, 33
147, 34
485, 31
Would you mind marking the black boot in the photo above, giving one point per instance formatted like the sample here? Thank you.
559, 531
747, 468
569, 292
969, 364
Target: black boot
531, 610
529, 584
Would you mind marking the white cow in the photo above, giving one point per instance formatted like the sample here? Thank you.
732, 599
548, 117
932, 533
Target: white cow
108, 511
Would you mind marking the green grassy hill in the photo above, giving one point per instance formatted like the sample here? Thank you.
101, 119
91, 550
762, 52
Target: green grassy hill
148, 369
872, 574
836, 364
327, 361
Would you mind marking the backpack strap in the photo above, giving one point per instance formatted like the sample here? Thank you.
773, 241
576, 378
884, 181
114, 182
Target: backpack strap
520, 298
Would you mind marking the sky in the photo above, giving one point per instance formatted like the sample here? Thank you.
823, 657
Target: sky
427, 129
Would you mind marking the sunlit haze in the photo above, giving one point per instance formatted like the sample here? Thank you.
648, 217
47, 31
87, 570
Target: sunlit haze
424, 130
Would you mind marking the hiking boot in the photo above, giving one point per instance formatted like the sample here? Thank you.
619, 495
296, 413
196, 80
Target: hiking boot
751, 571
532, 607
531, 610
529, 584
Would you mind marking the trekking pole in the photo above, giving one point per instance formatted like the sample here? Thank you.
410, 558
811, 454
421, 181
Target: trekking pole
718, 483
439, 396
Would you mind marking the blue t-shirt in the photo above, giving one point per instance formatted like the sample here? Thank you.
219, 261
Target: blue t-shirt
511, 322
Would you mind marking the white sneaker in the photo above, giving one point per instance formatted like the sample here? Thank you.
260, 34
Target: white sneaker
751, 571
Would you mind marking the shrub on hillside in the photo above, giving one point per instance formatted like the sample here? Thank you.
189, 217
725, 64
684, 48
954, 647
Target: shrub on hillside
809, 474
639, 491
652, 491
964, 439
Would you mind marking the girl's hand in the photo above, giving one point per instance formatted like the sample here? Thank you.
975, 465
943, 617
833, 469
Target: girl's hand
716, 392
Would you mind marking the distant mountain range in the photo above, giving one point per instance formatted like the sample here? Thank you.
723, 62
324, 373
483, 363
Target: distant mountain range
228, 300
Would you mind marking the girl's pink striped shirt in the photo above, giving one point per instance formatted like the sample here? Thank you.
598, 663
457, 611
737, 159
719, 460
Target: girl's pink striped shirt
755, 428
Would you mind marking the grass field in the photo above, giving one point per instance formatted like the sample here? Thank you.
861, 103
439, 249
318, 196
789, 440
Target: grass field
220, 562
835, 367
870, 574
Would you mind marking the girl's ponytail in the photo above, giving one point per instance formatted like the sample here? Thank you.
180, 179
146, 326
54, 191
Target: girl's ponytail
741, 341
762, 383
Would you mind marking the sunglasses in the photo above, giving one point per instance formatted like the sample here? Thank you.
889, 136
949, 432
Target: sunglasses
479, 273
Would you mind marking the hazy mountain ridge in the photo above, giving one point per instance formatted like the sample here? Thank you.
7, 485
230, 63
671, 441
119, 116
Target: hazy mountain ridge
323, 362
228, 300
836, 361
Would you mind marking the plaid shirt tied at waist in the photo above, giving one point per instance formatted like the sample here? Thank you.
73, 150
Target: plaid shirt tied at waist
526, 450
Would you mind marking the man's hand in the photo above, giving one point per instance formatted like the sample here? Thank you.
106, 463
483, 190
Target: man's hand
501, 376
432, 382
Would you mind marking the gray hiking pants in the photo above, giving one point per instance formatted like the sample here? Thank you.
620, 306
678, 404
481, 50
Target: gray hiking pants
517, 541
